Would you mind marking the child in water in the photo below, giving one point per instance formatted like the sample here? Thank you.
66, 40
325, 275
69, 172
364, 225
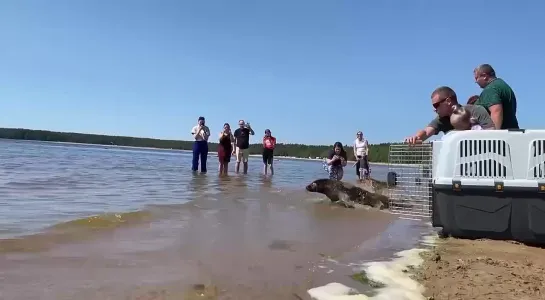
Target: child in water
461, 120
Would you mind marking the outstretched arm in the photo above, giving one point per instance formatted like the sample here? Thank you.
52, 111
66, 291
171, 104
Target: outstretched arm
421, 135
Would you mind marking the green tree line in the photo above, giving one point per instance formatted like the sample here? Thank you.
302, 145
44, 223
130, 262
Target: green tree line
377, 152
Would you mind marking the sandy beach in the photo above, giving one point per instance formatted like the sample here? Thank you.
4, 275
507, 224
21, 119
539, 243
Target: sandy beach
483, 269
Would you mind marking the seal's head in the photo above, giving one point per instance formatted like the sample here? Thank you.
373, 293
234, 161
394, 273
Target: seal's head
313, 187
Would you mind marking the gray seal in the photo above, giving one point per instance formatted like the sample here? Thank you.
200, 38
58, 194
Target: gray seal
347, 194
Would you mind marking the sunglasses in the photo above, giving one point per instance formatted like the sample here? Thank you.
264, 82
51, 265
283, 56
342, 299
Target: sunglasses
436, 104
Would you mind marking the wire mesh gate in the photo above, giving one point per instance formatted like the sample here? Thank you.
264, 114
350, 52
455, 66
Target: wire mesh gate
410, 180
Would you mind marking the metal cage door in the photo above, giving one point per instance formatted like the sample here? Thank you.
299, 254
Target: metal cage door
410, 180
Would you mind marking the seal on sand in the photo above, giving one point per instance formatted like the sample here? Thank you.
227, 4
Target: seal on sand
344, 192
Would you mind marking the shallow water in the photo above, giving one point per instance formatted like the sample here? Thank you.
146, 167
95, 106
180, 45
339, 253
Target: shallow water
95, 222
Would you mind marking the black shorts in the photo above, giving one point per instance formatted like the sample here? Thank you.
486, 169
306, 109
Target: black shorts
363, 162
268, 155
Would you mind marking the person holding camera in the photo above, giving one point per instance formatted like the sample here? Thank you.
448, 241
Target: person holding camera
335, 162
269, 143
225, 148
242, 142
201, 133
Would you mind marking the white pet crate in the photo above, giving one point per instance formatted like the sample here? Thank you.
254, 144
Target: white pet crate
486, 183
481, 157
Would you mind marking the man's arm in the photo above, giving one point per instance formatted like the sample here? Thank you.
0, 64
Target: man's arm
491, 100
433, 128
235, 136
422, 135
355, 155
366, 147
496, 113
251, 131
426, 133
194, 130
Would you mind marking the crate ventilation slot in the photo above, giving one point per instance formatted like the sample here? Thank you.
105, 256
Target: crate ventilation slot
483, 158
538, 158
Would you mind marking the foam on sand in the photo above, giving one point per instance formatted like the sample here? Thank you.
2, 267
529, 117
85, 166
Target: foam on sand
395, 275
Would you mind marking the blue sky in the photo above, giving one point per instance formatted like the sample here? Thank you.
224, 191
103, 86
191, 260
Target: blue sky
312, 71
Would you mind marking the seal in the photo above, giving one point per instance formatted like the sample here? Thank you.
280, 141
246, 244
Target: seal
347, 194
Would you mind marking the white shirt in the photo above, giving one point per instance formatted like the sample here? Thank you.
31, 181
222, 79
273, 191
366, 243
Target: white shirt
361, 147
202, 134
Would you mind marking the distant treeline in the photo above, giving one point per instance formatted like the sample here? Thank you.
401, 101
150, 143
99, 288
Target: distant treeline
377, 153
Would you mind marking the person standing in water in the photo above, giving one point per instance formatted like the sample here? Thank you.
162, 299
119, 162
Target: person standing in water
242, 142
225, 148
201, 133
269, 142
336, 160
361, 152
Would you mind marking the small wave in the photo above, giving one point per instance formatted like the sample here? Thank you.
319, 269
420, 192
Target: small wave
105, 221
75, 230
394, 275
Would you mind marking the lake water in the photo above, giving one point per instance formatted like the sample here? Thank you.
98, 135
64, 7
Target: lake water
94, 222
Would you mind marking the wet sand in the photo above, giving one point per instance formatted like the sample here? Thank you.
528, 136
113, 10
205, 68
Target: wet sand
483, 269
265, 246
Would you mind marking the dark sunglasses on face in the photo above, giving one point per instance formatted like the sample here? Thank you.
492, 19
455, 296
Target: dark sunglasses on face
436, 104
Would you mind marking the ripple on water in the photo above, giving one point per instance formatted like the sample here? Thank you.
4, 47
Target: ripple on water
67, 195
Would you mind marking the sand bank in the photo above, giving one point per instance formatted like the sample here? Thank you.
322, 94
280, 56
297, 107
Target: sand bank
483, 269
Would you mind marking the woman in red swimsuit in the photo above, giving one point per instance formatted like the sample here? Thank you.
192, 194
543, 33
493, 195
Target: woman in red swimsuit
225, 148
269, 142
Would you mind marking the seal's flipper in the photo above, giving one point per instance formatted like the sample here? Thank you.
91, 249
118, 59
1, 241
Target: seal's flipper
345, 201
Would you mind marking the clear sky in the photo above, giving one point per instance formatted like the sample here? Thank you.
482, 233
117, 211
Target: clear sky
312, 71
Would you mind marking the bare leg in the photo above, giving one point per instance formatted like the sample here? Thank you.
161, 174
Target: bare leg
245, 167
225, 168
221, 168
237, 167
265, 169
272, 170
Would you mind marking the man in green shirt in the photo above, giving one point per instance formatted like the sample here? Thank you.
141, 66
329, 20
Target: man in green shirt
497, 97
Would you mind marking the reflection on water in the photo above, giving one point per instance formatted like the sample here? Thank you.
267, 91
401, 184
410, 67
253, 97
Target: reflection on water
115, 223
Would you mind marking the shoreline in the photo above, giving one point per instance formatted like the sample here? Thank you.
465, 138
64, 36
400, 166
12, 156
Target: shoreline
211, 153
482, 269
390, 279
451, 268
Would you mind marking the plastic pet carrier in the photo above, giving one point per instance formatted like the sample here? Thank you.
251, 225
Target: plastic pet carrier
490, 184
473, 184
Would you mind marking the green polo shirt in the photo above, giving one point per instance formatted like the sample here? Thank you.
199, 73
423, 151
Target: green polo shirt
499, 92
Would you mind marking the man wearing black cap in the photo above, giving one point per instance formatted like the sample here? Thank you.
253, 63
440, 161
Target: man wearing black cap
201, 133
